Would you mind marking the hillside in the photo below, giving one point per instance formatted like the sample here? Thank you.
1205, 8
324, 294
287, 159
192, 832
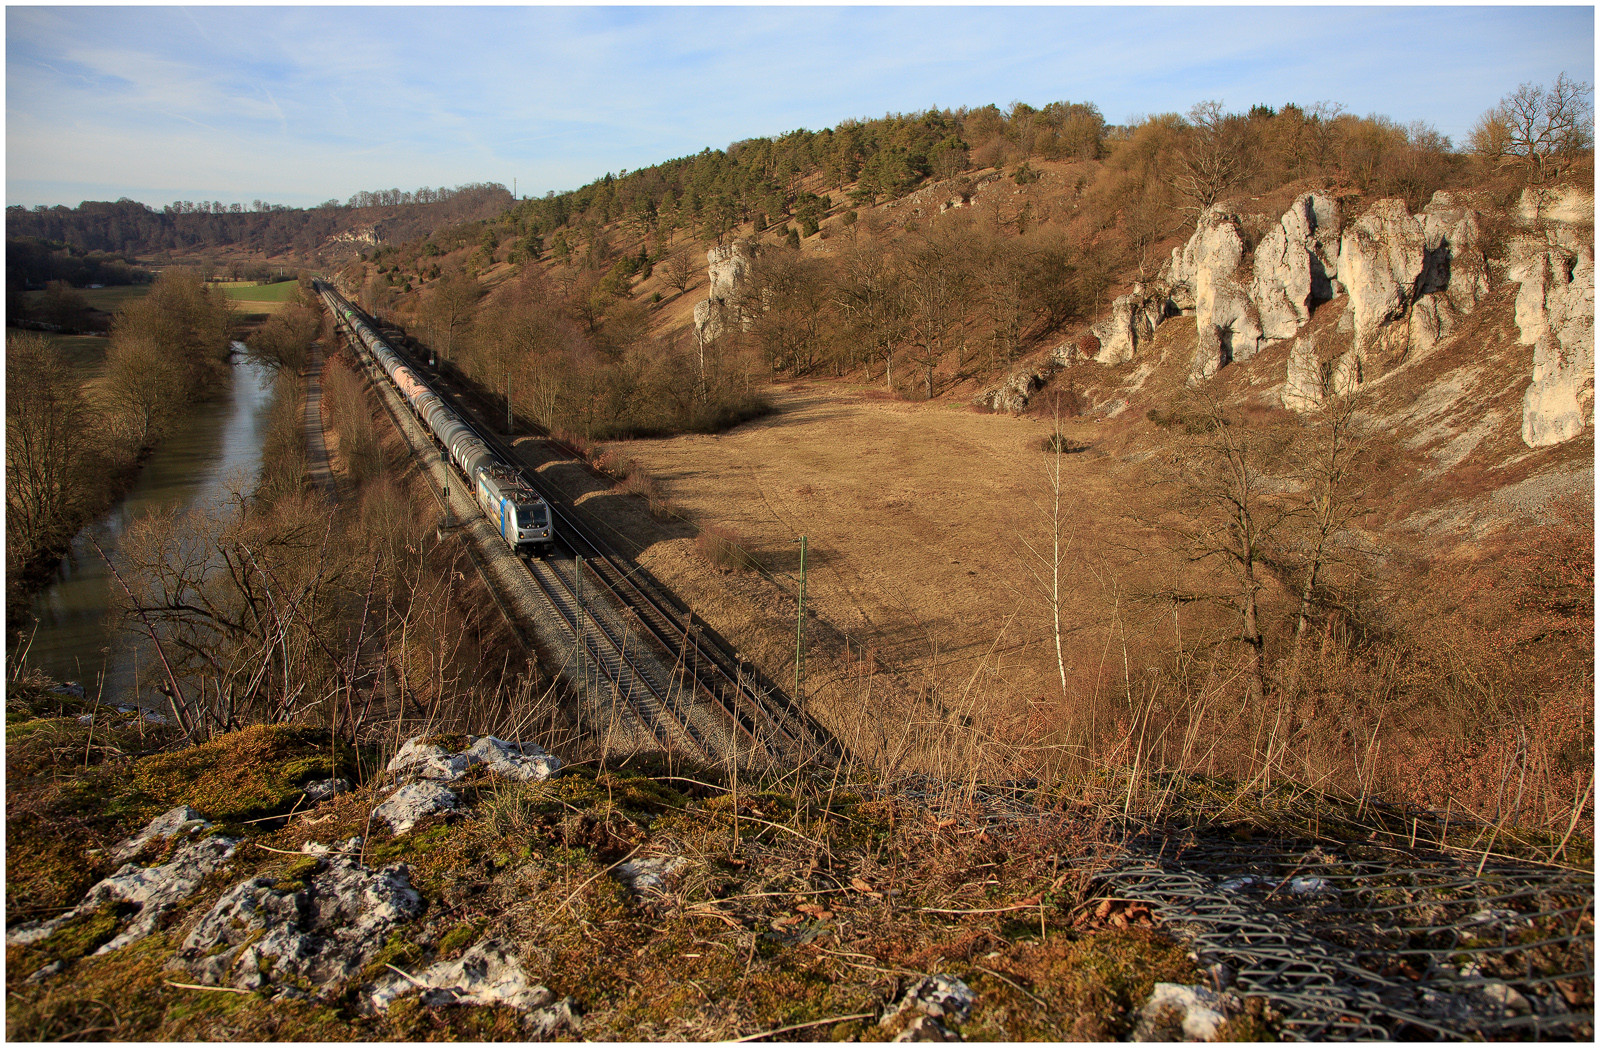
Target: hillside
1368, 319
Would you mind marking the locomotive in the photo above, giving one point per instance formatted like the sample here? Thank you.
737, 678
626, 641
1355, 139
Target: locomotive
520, 517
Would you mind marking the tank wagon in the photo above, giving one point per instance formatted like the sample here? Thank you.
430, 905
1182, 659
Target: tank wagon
520, 517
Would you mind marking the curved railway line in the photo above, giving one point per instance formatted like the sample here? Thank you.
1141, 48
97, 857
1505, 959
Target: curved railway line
710, 705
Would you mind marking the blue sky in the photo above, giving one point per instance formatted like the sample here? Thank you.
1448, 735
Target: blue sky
295, 105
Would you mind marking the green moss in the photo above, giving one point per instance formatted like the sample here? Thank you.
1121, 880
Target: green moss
457, 938
244, 775
299, 874
307, 769
409, 847
77, 938
402, 950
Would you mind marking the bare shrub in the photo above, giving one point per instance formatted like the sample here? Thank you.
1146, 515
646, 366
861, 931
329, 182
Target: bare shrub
722, 548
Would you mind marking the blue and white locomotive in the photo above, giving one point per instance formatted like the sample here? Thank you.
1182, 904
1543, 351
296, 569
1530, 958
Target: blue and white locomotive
516, 511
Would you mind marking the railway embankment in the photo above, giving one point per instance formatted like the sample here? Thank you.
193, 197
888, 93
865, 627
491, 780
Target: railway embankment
557, 638
635, 649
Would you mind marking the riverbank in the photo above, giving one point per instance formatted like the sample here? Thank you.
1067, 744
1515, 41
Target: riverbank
75, 440
62, 625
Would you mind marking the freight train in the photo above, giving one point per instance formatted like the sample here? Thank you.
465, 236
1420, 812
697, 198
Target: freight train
517, 513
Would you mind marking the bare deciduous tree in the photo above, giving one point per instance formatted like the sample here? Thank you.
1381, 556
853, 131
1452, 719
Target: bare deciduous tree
1541, 130
46, 439
679, 270
1211, 161
448, 309
932, 285
1231, 510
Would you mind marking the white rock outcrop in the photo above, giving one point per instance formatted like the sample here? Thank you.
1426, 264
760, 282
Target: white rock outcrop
1295, 265
728, 266
1133, 321
152, 890
1294, 269
1555, 315
1380, 261
259, 933
1206, 272
1011, 394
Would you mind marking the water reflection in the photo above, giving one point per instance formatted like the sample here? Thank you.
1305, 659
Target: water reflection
213, 453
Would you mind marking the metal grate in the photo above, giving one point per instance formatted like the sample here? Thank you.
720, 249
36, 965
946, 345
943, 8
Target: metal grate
1365, 942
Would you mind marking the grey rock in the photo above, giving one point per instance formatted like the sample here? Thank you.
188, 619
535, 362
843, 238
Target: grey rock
513, 760
1180, 1013
424, 760
938, 1001
180, 820
1507, 998
644, 876
1314, 886
53, 968
925, 1028
412, 803
523, 761
257, 934
320, 790
486, 974
1013, 392
153, 890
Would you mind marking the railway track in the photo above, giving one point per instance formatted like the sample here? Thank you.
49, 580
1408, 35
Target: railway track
711, 705
602, 653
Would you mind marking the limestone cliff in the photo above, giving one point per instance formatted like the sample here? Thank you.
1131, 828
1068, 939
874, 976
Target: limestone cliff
728, 266
1406, 282
1555, 315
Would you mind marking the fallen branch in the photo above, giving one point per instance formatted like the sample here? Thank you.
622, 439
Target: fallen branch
1026, 904
213, 989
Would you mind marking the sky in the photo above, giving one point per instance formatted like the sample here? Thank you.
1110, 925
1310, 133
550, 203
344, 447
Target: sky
297, 105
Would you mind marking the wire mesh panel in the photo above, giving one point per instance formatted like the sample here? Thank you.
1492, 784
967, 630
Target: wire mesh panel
1366, 942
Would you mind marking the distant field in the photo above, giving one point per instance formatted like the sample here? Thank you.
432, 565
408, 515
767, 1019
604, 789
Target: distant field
86, 352
106, 299
284, 291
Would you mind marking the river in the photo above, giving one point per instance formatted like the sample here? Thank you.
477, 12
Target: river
212, 452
